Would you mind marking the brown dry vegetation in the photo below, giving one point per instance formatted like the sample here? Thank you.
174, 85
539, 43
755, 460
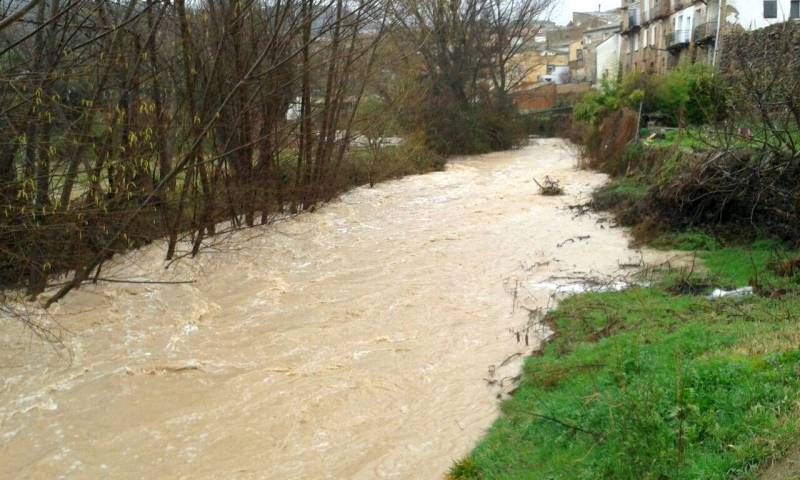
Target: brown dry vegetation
123, 122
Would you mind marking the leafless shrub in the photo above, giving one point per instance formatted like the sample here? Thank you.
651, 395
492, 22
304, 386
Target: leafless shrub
550, 187
126, 122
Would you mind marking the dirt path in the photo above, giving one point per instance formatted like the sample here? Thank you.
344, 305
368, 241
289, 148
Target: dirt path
353, 342
786, 469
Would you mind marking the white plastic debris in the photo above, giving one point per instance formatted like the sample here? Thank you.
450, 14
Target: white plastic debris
738, 293
581, 287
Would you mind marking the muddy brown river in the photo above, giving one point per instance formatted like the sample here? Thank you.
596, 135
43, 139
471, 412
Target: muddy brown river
354, 342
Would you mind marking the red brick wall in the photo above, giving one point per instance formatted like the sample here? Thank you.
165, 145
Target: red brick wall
541, 98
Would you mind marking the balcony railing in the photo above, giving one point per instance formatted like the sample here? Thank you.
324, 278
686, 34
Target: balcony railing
705, 32
678, 38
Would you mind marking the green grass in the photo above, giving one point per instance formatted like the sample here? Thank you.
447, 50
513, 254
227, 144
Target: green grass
688, 241
624, 196
692, 139
619, 190
645, 384
702, 139
734, 266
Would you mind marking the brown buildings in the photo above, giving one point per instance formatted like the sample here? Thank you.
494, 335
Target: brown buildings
657, 35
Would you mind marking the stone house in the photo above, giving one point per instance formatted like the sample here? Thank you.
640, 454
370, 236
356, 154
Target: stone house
657, 35
583, 52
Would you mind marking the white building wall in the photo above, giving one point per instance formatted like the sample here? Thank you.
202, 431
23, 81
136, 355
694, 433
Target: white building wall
608, 58
750, 13
682, 23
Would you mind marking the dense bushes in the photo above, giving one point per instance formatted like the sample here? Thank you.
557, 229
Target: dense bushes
484, 125
758, 190
740, 194
732, 165
604, 144
597, 105
368, 167
690, 94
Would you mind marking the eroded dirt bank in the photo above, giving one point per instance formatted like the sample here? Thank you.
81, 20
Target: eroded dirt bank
353, 342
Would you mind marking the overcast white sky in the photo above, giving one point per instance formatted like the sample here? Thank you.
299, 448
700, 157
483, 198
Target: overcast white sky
562, 13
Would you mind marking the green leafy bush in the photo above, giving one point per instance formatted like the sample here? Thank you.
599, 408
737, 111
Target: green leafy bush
596, 105
690, 94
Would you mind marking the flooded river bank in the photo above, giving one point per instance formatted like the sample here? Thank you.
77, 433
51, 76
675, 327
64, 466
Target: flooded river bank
352, 342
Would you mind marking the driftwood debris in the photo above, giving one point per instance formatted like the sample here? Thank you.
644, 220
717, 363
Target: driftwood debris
579, 238
549, 186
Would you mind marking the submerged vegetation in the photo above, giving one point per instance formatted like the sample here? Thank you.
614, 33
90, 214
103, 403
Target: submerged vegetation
549, 187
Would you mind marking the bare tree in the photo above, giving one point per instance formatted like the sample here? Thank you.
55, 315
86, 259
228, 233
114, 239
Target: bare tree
513, 27
125, 122
469, 48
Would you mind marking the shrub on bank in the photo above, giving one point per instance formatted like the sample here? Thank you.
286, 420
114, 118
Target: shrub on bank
485, 125
368, 167
597, 105
689, 95
604, 145
756, 190
607, 120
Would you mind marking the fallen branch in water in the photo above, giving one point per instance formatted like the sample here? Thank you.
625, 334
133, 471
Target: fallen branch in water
147, 282
40, 324
551, 187
579, 238
581, 208
509, 358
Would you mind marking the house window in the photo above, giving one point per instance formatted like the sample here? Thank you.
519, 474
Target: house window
794, 11
687, 34
770, 8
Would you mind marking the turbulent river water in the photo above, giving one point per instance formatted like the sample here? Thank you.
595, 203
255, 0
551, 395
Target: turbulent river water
365, 340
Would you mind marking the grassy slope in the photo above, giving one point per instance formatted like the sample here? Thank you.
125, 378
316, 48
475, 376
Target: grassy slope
648, 384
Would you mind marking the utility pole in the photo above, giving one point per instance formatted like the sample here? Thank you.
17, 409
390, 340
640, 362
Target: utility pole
719, 37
